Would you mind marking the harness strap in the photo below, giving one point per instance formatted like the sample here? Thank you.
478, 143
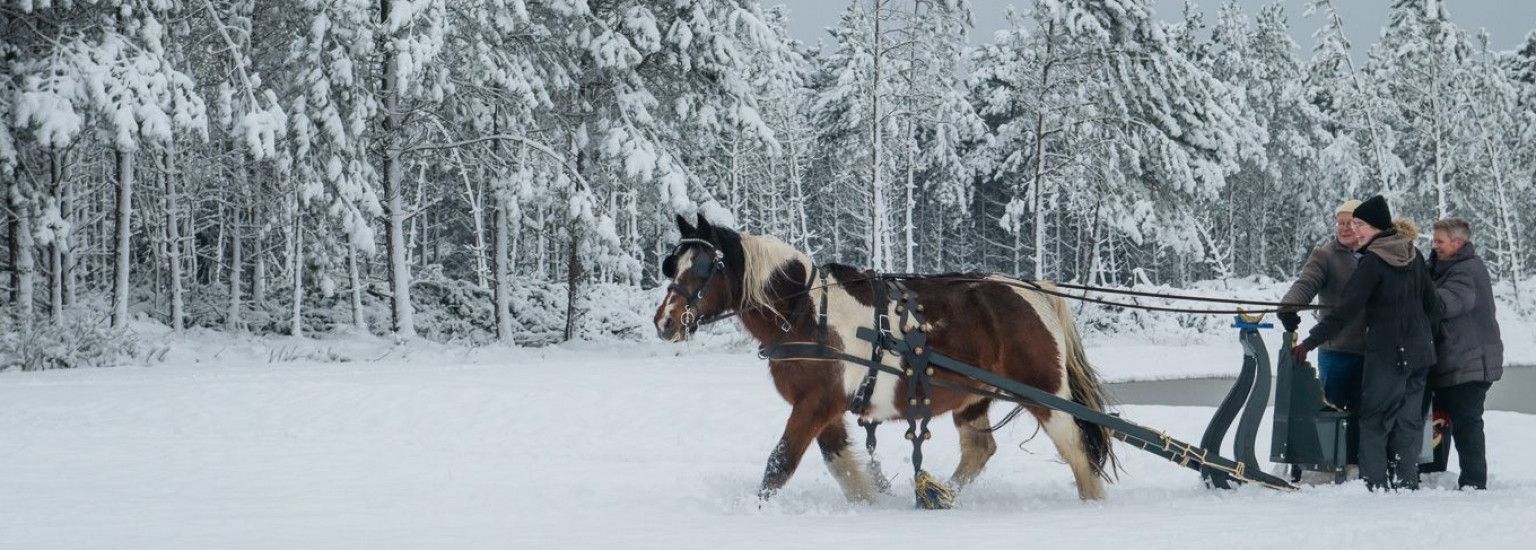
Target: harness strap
821, 318
859, 401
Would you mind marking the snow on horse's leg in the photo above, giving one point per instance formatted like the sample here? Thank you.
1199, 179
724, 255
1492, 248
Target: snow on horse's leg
807, 420
1065, 433
976, 442
858, 483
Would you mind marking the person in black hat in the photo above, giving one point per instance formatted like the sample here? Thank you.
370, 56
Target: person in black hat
1392, 289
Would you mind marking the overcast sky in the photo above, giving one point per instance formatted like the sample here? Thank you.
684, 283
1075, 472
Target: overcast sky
1507, 21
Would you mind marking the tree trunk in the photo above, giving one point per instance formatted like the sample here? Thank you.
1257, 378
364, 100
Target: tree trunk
911, 201
217, 269
573, 273
1040, 149
296, 317
1442, 209
59, 244
801, 231
24, 259
11, 248
173, 238
232, 319
124, 214
474, 194
189, 242
402, 317
358, 321
543, 245
877, 245
259, 273
500, 234
573, 266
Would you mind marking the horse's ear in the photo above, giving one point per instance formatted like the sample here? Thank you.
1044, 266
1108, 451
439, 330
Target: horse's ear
688, 231
706, 230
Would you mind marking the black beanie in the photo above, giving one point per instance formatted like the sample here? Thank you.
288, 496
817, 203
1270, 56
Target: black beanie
1375, 212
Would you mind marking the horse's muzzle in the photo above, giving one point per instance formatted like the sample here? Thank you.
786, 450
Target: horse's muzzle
667, 329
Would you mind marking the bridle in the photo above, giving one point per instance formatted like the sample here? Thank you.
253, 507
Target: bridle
706, 271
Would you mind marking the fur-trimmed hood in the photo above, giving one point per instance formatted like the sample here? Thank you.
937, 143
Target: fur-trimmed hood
1395, 246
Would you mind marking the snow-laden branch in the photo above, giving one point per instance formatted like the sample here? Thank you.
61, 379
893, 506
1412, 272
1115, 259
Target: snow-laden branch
535, 145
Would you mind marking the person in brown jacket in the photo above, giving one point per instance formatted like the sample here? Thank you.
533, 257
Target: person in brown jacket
1323, 276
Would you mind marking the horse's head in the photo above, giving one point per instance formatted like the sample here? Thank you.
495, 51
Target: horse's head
705, 270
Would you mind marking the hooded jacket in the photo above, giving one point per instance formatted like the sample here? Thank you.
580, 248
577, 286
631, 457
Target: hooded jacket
1392, 290
1470, 348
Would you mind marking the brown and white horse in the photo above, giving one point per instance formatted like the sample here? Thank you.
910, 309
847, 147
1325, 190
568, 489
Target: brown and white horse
1016, 332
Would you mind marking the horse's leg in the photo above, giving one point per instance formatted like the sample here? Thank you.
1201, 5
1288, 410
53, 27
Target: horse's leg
806, 421
855, 477
976, 442
1068, 437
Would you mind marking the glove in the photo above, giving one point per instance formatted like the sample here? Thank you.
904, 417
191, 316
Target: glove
1290, 320
1299, 353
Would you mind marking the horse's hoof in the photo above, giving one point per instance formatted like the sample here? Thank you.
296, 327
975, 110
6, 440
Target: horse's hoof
932, 494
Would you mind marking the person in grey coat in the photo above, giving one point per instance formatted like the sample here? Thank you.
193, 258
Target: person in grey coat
1470, 352
1341, 359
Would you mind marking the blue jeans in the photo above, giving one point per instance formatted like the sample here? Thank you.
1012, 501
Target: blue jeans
1341, 373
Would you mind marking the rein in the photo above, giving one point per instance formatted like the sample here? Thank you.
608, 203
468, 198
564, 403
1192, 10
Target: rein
1270, 307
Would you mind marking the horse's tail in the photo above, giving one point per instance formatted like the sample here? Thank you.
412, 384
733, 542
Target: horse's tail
1086, 390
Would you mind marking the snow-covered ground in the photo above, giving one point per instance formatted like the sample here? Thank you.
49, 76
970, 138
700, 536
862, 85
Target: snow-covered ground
266, 444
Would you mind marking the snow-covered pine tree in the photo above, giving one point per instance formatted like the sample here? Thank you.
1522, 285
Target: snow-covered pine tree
1417, 65
644, 79
108, 71
331, 106
1360, 153
1522, 67
1165, 133
1491, 131
1276, 206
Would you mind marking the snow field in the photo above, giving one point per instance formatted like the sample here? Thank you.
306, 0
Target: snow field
624, 447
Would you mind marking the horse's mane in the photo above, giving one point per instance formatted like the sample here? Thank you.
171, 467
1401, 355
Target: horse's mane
765, 256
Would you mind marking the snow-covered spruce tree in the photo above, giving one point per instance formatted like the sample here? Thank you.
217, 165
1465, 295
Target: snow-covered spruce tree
779, 71
332, 103
1494, 136
1017, 88
1153, 131
1277, 205
937, 122
645, 78
757, 175
501, 57
251, 126
1418, 64
1522, 67
106, 69
1359, 156
410, 39
889, 93
845, 88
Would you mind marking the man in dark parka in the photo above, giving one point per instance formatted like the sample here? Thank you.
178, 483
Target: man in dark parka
1391, 287
1471, 351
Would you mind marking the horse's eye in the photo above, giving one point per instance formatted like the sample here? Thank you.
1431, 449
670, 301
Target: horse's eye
702, 268
669, 267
